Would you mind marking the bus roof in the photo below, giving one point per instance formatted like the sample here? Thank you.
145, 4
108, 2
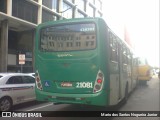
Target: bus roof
70, 20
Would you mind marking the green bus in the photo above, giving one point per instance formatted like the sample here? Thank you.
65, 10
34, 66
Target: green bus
81, 61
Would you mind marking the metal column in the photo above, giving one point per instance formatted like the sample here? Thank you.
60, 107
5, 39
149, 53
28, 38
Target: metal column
4, 46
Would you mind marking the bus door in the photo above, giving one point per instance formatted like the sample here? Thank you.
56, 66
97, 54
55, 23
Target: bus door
120, 69
115, 78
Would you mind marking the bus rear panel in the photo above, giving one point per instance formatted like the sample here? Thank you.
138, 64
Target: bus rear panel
68, 64
144, 70
81, 61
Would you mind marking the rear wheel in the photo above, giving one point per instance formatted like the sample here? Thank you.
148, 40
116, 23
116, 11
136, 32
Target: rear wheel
5, 104
126, 94
144, 82
137, 82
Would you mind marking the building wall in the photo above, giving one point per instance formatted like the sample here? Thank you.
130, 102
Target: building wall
24, 15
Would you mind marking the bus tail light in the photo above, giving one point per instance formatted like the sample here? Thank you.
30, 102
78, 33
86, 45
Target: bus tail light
38, 81
99, 82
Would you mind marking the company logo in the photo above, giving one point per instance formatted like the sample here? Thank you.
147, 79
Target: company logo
64, 55
20, 114
6, 114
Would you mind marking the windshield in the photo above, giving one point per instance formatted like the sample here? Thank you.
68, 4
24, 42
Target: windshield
142, 61
68, 37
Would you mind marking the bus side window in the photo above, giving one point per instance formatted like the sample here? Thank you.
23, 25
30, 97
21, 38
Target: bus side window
123, 54
129, 57
114, 49
125, 58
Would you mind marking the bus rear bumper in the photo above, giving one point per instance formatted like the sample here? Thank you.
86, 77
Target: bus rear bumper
98, 99
144, 78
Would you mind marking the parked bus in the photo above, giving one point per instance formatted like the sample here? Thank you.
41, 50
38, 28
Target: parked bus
145, 71
81, 61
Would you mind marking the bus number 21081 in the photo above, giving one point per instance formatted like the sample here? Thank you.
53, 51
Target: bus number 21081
84, 85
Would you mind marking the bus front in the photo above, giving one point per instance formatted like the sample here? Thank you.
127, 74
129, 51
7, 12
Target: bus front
67, 64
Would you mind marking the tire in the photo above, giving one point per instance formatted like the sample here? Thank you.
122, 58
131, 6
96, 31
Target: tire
144, 82
137, 82
5, 104
126, 94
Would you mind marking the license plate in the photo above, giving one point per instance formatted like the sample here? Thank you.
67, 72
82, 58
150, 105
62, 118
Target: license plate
66, 84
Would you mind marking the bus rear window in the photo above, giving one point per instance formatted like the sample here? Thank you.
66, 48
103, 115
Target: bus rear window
68, 37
